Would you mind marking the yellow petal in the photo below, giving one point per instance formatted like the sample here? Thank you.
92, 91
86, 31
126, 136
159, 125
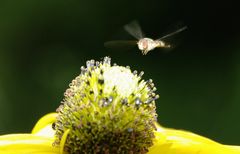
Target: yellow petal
27, 144
171, 141
46, 120
63, 140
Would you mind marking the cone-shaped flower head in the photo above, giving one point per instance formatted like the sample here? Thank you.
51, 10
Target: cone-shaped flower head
107, 109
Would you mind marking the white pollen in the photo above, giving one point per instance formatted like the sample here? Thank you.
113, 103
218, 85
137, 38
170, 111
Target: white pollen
121, 78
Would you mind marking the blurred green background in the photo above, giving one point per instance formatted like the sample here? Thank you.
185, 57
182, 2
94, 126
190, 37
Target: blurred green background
43, 44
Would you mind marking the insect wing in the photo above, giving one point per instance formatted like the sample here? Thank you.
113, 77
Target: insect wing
173, 33
134, 29
120, 45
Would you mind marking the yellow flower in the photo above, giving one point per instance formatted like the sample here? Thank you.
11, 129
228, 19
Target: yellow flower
167, 141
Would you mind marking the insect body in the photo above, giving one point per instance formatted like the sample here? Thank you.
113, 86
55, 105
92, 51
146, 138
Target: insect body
148, 44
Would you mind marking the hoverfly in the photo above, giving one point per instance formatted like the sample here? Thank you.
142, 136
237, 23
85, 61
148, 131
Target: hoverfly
144, 44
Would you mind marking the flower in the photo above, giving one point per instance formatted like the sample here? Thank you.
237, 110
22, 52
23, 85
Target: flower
108, 109
166, 141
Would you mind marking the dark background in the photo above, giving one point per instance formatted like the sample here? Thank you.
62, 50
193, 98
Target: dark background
43, 44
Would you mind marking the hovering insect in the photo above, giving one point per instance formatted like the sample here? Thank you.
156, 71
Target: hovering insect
145, 44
